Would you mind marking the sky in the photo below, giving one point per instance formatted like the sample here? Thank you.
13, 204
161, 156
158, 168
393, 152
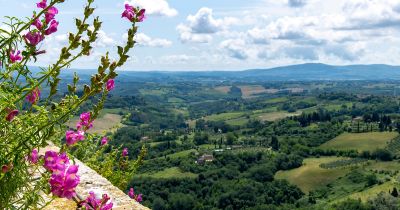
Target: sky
207, 35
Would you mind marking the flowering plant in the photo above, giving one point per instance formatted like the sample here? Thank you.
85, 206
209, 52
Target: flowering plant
33, 114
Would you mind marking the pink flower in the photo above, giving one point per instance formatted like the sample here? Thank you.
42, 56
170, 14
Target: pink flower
37, 23
85, 121
138, 198
104, 141
73, 137
52, 28
33, 38
14, 57
131, 193
11, 114
7, 168
42, 4
34, 157
92, 202
50, 14
140, 16
110, 85
64, 180
125, 152
33, 96
129, 12
52, 160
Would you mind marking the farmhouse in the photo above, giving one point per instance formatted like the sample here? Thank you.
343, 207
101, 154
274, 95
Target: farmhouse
205, 159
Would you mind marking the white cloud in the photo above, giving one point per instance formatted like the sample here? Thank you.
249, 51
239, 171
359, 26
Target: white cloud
144, 40
297, 3
155, 7
173, 59
104, 40
370, 14
236, 48
202, 25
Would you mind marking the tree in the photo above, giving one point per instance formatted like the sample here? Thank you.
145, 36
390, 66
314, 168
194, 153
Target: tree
200, 138
275, 143
371, 180
181, 201
394, 192
230, 139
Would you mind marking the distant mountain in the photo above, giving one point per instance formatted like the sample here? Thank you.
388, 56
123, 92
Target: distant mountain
317, 71
301, 72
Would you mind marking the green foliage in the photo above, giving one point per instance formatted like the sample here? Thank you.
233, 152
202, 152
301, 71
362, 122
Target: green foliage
43, 120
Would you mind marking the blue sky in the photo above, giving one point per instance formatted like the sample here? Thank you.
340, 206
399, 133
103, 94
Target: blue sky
236, 34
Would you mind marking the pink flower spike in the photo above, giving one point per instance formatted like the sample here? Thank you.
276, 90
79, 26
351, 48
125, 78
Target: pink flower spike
33, 38
64, 181
102, 203
73, 137
42, 4
110, 85
104, 141
131, 193
125, 152
11, 114
37, 23
85, 122
34, 157
34, 96
139, 198
14, 57
50, 14
50, 160
52, 28
129, 12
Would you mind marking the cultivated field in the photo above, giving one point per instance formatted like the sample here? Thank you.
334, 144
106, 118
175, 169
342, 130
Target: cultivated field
169, 173
311, 176
223, 89
249, 91
360, 141
273, 116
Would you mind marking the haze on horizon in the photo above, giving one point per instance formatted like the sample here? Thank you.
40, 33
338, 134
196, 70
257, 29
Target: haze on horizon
238, 35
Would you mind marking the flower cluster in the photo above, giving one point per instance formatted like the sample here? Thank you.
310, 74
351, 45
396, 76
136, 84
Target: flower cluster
86, 121
64, 178
34, 96
133, 14
93, 203
83, 125
44, 27
132, 195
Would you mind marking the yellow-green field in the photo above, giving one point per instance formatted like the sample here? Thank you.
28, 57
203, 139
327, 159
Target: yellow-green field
360, 141
169, 173
272, 116
311, 176
392, 166
224, 116
369, 193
